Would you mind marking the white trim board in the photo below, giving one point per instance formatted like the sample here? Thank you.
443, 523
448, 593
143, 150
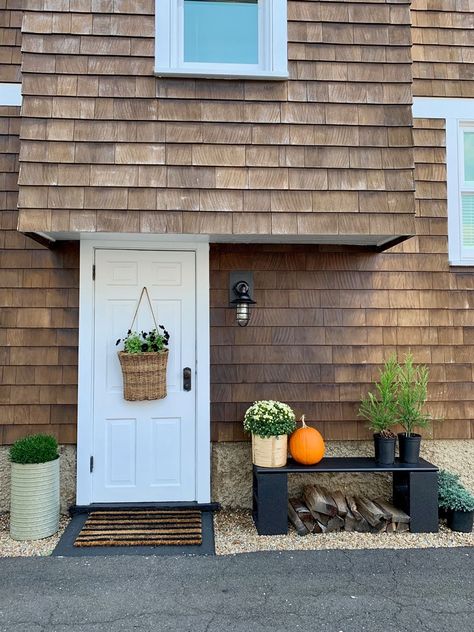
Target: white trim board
86, 364
10, 94
454, 112
427, 107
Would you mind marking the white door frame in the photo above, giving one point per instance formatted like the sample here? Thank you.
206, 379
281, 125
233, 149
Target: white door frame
89, 244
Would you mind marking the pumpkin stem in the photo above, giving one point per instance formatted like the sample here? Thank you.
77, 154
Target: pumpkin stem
302, 421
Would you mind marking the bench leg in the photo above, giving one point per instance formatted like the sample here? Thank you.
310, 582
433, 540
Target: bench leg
416, 493
424, 502
270, 504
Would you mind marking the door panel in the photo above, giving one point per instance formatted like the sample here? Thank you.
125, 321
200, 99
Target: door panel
120, 458
166, 439
144, 451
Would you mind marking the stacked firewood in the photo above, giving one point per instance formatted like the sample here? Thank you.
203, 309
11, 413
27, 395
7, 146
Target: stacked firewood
321, 511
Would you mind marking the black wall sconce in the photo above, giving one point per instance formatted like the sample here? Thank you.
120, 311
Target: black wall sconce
241, 289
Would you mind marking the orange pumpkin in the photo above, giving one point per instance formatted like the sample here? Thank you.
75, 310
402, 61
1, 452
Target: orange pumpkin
306, 445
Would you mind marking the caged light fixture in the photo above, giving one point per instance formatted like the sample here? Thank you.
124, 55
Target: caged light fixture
242, 302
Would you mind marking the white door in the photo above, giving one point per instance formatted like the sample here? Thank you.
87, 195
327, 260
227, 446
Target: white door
144, 451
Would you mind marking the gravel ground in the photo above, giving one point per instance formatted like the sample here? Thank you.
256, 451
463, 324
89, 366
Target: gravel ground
236, 533
17, 548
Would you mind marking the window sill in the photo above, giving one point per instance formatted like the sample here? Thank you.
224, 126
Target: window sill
222, 74
466, 263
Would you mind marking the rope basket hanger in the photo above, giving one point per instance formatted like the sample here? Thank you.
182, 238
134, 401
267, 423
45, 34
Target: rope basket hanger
143, 293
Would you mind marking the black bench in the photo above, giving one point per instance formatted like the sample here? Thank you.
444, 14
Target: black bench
415, 490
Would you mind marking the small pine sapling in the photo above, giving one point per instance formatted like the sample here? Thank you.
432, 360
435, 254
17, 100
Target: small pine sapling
380, 408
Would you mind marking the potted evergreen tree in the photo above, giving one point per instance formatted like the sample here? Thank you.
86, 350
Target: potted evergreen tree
380, 410
456, 501
270, 423
34, 510
411, 397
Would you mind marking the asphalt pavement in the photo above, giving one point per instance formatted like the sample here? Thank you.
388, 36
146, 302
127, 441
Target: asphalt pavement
326, 591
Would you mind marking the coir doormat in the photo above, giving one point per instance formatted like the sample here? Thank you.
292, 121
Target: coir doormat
141, 528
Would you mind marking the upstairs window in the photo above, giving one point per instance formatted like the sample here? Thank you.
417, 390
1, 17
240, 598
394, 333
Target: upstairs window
221, 38
466, 190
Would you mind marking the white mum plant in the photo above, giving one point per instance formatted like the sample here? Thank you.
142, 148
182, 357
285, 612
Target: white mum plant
268, 418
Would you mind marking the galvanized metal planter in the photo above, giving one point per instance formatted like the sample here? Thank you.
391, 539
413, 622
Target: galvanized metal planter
34, 500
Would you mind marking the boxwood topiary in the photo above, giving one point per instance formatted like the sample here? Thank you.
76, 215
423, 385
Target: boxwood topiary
34, 449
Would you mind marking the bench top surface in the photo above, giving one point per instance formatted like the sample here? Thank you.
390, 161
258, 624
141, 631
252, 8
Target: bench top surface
347, 464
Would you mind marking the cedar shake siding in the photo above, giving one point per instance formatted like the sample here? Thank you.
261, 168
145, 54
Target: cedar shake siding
108, 147
443, 48
10, 40
325, 322
38, 316
105, 146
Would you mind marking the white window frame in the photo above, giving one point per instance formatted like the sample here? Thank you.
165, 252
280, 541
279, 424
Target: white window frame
458, 115
273, 46
467, 254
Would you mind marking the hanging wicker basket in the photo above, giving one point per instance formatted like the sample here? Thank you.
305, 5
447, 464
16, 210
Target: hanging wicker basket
144, 375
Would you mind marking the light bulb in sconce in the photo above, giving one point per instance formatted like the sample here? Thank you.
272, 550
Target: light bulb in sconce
242, 303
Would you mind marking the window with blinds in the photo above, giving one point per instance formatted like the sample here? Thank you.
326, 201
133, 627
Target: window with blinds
466, 189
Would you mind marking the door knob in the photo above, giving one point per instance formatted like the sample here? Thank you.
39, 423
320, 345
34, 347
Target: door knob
187, 379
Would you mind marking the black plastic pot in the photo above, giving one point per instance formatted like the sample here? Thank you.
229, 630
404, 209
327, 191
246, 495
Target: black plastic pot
409, 447
461, 521
384, 449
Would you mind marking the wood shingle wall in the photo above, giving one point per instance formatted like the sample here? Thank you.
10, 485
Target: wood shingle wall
38, 316
10, 40
326, 319
443, 48
130, 153
108, 147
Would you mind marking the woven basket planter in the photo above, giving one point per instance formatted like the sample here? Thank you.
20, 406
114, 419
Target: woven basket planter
34, 500
269, 451
144, 375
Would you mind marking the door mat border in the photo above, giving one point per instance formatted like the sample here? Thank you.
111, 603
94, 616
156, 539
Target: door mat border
66, 548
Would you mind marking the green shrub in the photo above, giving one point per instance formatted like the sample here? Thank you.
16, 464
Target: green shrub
268, 418
34, 449
399, 398
380, 409
452, 494
412, 394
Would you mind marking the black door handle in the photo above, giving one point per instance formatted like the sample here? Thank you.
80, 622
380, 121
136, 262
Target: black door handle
187, 379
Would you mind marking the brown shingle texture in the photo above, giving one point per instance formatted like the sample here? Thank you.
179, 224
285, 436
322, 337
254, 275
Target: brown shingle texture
38, 316
10, 40
327, 318
328, 152
443, 48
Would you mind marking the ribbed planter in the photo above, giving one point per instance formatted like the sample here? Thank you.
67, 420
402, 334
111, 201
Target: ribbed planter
34, 500
269, 451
